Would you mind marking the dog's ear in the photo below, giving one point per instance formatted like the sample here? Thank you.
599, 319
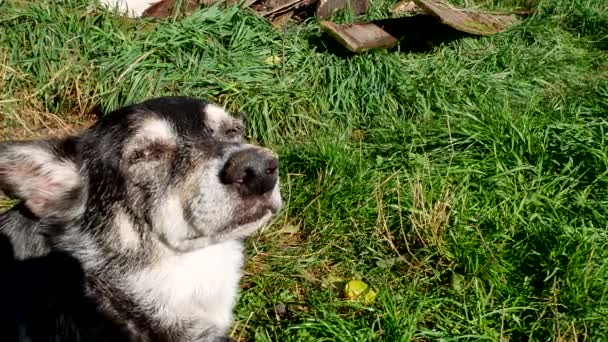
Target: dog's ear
44, 174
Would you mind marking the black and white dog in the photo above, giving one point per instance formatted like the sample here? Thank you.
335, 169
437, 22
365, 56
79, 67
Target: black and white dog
132, 230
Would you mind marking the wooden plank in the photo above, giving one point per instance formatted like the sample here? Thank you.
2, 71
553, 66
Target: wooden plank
326, 8
282, 19
405, 6
242, 3
248, 3
467, 20
276, 7
359, 37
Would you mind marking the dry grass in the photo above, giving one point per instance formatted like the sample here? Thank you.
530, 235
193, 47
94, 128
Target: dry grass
429, 218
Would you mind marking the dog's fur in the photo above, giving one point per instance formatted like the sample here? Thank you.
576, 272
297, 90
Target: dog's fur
131, 231
133, 8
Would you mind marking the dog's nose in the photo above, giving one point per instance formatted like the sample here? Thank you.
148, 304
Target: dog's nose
253, 170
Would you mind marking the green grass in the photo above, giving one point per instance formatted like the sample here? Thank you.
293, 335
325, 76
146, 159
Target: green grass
467, 185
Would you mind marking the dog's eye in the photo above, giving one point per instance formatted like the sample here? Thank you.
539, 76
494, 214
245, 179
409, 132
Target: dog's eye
151, 152
234, 131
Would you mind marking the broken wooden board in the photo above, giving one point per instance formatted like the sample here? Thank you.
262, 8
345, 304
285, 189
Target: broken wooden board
325, 8
359, 37
404, 6
242, 3
467, 20
271, 9
282, 19
166, 8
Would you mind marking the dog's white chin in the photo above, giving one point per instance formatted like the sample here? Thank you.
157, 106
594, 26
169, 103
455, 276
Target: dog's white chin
275, 201
250, 228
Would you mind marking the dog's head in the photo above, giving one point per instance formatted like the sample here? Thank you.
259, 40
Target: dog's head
175, 168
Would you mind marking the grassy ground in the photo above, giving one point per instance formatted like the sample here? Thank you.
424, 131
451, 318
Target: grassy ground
467, 184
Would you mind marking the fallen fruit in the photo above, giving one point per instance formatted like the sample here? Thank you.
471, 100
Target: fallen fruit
357, 289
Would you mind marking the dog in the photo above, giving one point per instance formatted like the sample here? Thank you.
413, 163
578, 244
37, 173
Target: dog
133, 229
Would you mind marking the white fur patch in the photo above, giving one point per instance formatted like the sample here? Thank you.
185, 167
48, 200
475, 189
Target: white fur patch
133, 8
216, 115
170, 224
149, 131
213, 205
128, 236
156, 129
199, 286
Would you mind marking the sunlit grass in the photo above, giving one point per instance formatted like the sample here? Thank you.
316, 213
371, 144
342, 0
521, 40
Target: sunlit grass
467, 185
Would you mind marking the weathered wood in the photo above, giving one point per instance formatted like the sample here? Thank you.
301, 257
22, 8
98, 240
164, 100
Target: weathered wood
359, 37
278, 6
248, 3
282, 19
467, 20
326, 8
273, 8
405, 6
